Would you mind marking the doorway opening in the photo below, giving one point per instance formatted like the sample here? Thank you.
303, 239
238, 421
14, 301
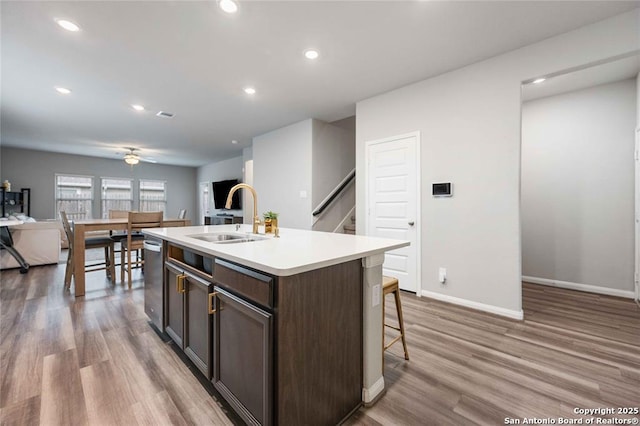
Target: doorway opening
580, 180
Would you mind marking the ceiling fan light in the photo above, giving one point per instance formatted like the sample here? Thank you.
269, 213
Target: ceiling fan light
131, 159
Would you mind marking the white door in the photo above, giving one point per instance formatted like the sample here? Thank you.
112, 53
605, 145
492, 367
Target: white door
393, 203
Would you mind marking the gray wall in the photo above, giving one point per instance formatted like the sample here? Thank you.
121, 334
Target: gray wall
309, 157
37, 169
577, 186
637, 183
247, 169
469, 121
282, 170
334, 156
221, 170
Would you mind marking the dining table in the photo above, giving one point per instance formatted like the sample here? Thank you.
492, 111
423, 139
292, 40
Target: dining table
80, 230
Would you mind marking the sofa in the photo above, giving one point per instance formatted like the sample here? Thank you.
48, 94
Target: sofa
38, 242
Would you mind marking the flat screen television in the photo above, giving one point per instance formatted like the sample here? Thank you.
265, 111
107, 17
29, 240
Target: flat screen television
221, 191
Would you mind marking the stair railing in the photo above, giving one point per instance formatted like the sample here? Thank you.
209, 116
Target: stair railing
344, 183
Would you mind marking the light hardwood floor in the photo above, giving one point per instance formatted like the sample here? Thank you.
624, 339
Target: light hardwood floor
91, 360
95, 360
573, 350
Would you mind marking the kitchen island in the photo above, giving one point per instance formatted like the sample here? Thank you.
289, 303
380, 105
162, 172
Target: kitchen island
288, 329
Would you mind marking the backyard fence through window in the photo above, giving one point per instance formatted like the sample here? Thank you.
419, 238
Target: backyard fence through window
153, 195
117, 194
74, 195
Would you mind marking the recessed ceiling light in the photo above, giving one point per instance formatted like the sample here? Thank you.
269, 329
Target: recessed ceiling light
63, 90
539, 80
137, 107
249, 90
235, 142
228, 6
68, 25
311, 54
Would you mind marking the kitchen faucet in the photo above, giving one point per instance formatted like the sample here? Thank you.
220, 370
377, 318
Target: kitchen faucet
256, 219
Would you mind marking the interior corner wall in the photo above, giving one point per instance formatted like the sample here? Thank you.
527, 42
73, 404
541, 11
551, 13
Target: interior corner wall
469, 124
334, 151
282, 173
577, 186
638, 101
247, 171
221, 170
37, 169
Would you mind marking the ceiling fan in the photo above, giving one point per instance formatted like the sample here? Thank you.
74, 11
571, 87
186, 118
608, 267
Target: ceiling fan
132, 158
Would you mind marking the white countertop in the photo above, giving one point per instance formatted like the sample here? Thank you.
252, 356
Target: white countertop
294, 252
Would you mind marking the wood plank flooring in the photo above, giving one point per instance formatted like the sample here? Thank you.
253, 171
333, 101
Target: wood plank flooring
572, 350
95, 360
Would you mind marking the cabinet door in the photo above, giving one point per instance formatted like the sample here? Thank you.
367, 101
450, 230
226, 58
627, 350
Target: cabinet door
197, 336
243, 357
174, 303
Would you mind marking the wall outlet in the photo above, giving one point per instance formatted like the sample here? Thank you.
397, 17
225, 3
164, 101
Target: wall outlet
442, 275
375, 295
303, 194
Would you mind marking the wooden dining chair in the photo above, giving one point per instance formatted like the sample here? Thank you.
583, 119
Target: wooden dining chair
118, 236
118, 214
89, 243
135, 240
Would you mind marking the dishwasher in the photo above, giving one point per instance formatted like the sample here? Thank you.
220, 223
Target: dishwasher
153, 276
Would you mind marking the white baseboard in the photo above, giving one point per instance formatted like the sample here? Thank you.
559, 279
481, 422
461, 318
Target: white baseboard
580, 287
370, 394
518, 315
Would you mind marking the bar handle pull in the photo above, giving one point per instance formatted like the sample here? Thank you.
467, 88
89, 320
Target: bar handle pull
180, 283
211, 296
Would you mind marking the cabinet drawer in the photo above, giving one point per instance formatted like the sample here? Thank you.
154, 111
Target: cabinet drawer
246, 282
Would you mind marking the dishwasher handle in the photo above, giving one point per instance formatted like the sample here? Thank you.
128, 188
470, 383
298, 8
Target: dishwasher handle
152, 246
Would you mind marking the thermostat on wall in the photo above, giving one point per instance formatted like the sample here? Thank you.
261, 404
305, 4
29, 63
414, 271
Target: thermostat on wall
442, 189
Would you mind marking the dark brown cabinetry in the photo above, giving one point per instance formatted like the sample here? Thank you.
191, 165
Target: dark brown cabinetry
197, 333
282, 350
222, 220
243, 356
15, 202
174, 303
243, 340
188, 318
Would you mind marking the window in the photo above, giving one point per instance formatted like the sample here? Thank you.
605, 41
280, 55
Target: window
74, 195
117, 194
153, 195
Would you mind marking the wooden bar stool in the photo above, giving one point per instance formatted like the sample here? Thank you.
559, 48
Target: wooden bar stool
390, 285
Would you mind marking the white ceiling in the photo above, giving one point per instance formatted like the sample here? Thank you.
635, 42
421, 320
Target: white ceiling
608, 72
193, 60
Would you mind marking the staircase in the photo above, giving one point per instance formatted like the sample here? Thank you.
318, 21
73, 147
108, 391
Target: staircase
351, 228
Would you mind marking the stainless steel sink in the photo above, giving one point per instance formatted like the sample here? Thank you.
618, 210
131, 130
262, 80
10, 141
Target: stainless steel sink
220, 238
